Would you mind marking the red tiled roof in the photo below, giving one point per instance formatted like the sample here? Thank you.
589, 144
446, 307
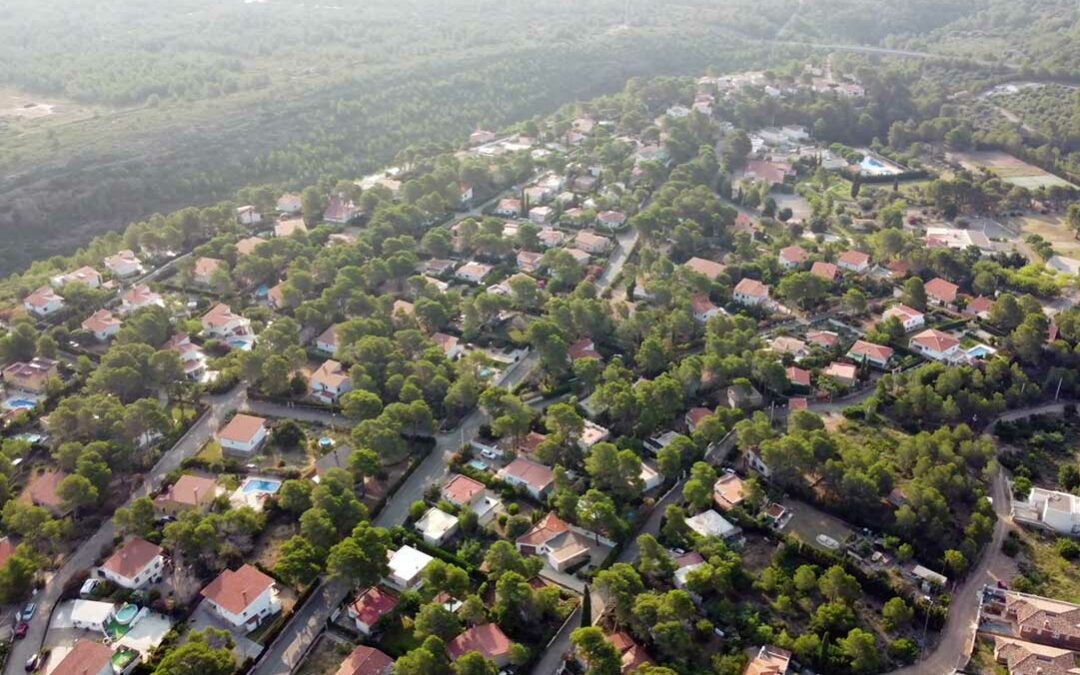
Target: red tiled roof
372, 604
461, 489
366, 660
487, 639
708, 268
854, 258
535, 474
132, 558
942, 290
242, 428
583, 349
825, 270
7, 549
190, 490
549, 526
752, 288
869, 350
235, 591
796, 375
936, 340
794, 254
86, 658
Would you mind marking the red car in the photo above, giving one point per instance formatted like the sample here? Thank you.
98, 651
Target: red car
20, 630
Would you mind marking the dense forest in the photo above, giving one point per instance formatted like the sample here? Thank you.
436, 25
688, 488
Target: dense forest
163, 105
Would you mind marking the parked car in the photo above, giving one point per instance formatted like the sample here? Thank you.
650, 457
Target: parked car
88, 587
33, 663
21, 629
28, 611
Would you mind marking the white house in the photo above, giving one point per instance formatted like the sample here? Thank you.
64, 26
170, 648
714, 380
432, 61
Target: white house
791, 257
248, 215
203, 273
437, 526
87, 276
611, 220
102, 324
1058, 511
877, 355
536, 478
466, 493
650, 476
449, 344
529, 261
330, 382
135, 564
592, 243
473, 272
703, 308
221, 322
91, 614
562, 545
327, 343
757, 463
751, 292
541, 215
243, 434
406, 566
369, 607
190, 354
290, 203
138, 297
242, 598
936, 345
910, 318
712, 524
43, 302
124, 264
854, 261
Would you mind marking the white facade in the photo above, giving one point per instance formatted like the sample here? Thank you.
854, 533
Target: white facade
141, 578
264, 605
437, 526
245, 447
1058, 511
712, 524
910, 319
406, 566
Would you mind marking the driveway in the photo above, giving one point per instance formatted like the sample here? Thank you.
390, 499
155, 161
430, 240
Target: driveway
244, 649
85, 556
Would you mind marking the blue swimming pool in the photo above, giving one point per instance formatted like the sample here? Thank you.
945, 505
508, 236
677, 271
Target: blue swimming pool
16, 403
261, 485
981, 351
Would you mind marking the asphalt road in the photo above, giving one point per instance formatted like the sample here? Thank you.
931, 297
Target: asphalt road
87, 553
287, 651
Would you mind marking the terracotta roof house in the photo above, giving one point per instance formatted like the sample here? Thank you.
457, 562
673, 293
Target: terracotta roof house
793, 256
86, 658
486, 639
980, 307
844, 373
221, 322
751, 292
910, 318
243, 434
583, 349
824, 270
243, 597
102, 324
370, 606
592, 243
942, 292
191, 355
462, 490
611, 220
632, 656
508, 208
785, 344
188, 492
826, 339
769, 661
248, 215
704, 308
529, 261
560, 544
728, 491
707, 268
473, 272
798, 377
247, 246
536, 478
85, 275
43, 302
205, 268
798, 403
875, 354
137, 297
448, 344
936, 345
330, 382
854, 261
773, 173
366, 660
549, 237
135, 564
124, 264
695, 416
32, 375
41, 491
276, 295
1044, 621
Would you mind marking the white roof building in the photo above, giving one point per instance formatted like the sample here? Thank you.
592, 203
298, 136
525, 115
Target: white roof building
437, 526
712, 524
406, 566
